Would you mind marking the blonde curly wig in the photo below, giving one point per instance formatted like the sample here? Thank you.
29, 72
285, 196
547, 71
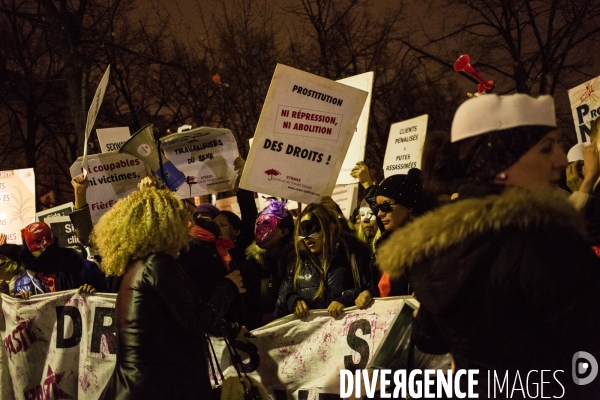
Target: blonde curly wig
145, 222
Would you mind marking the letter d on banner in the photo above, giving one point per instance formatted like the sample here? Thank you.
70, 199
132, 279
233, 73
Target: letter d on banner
143, 146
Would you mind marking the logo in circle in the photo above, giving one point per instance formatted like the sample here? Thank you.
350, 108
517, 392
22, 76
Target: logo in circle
582, 367
144, 150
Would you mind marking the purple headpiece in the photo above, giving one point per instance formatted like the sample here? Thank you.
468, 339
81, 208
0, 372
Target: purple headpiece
267, 221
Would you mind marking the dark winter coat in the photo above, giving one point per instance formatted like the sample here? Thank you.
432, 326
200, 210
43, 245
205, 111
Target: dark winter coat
505, 282
71, 270
262, 276
339, 283
161, 322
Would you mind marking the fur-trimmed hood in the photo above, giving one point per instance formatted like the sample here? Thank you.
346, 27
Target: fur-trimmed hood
456, 222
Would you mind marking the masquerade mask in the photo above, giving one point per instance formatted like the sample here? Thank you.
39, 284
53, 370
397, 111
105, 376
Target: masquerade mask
310, 228
267, 222
366, 213
386, 206
37, 236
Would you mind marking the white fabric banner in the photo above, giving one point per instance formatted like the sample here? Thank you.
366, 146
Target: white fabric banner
305, 128
57, 346
405, 146
585, 106
112, 176
206, 156
356, 151
17, 202
62, 345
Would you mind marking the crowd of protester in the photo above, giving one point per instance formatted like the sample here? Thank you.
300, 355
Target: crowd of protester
507, 273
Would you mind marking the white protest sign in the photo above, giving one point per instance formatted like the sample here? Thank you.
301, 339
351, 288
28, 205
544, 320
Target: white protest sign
356, 151
59, 211
304, 131
405, 146
206, 156
346, 196
261, 198
93, 113
111, 139
17, 202
112, 176
585, 105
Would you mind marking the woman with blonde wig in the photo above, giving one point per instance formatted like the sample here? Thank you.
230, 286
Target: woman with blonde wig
161, 320
330, 267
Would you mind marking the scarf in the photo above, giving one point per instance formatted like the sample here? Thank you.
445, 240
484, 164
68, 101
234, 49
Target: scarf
221, 244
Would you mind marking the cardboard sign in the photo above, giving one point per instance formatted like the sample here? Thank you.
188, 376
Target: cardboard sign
205, 156
93, 113
405, 146
59, 211
346, 196
63, 230
585, 105
356, 151
112, 176
17, 202
111, 139
304, 131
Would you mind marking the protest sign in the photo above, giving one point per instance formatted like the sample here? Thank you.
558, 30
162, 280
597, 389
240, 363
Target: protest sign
17, 202
57, 346
92, 114
63, 230
346, 196
59, 211
302, 136
585, 105
111, 139
356, 151
405, 146
205, 156
63, 344
112, 176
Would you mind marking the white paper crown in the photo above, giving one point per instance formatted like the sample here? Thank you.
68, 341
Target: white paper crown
491, 112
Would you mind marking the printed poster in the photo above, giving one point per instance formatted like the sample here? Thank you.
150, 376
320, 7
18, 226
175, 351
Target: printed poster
356, 151
585, 105
305, 128
59, 211
112, 176
405, 146
17, 202
63, 231
205, 156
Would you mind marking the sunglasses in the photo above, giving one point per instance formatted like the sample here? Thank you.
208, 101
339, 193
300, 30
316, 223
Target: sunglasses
385, 207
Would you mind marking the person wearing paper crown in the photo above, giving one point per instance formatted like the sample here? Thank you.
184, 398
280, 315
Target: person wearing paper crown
50, 268
504, 277
329, 270
266, 258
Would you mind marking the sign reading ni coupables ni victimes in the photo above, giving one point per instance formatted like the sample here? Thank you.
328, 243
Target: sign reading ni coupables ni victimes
303, 134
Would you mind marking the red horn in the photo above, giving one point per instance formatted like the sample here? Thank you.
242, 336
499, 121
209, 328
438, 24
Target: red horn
463, 64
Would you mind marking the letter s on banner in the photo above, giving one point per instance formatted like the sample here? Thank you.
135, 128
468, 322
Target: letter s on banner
357, 344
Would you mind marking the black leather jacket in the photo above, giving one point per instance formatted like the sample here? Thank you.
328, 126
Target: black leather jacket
161, 323
339, 282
